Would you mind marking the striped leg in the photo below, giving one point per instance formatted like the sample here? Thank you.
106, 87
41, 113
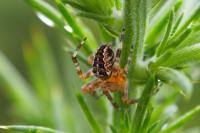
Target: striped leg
118, 54
109, 97
126, 100
90, 59
91, 87
82, 75
121, 38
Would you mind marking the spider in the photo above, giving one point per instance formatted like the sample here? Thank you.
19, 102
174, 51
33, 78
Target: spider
109, 76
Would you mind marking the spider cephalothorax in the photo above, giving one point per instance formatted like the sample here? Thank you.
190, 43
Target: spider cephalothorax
109, 76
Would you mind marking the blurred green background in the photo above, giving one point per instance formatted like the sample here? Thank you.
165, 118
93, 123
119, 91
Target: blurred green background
21, 33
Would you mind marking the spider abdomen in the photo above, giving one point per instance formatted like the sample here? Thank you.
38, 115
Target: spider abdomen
103, 62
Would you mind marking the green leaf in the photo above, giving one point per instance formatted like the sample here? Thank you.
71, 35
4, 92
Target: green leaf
157, 126
177, 41
90, 117
193, 38
48, 70
112, 128
163, 44
179, 122
158, 22
110, 31
174, 77
77, 5
18, 88
118, 4
101, 7
195, 13
29, 129
177, 23
78, 28
146, 121
99, 18
161, 60
184, 56
93, 6
48, 11
142, 106
155, 2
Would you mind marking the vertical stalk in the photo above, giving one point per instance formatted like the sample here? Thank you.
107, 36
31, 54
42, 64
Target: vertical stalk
138, 120
137, 70
128, 35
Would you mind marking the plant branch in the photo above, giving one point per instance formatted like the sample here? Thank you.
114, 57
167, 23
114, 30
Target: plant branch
128, 35
91, 119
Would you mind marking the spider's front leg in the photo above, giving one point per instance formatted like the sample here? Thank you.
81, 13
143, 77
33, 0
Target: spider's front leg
80, 73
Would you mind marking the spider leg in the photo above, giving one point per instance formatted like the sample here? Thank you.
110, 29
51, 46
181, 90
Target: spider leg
90, 59
75, 61
91, 87
121, 38
126, 100
109, 97
118, 54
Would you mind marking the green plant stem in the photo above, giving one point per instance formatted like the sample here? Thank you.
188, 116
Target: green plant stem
91, 119
142, 105
128, 35
139, 28
137, 69
182, 120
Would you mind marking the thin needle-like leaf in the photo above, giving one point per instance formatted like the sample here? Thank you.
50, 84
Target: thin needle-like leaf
97, 17
164, 41
142, 106
161, 60
79, 31
184, 55
177, 42
29, 129
182, 120
47, 10
174, 77
177, 23
76, 5
90, 117
18, 88
189, 20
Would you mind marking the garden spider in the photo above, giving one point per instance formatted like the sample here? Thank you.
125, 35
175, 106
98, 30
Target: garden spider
109, 76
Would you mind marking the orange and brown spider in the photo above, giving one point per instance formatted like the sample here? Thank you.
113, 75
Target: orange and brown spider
109, 76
